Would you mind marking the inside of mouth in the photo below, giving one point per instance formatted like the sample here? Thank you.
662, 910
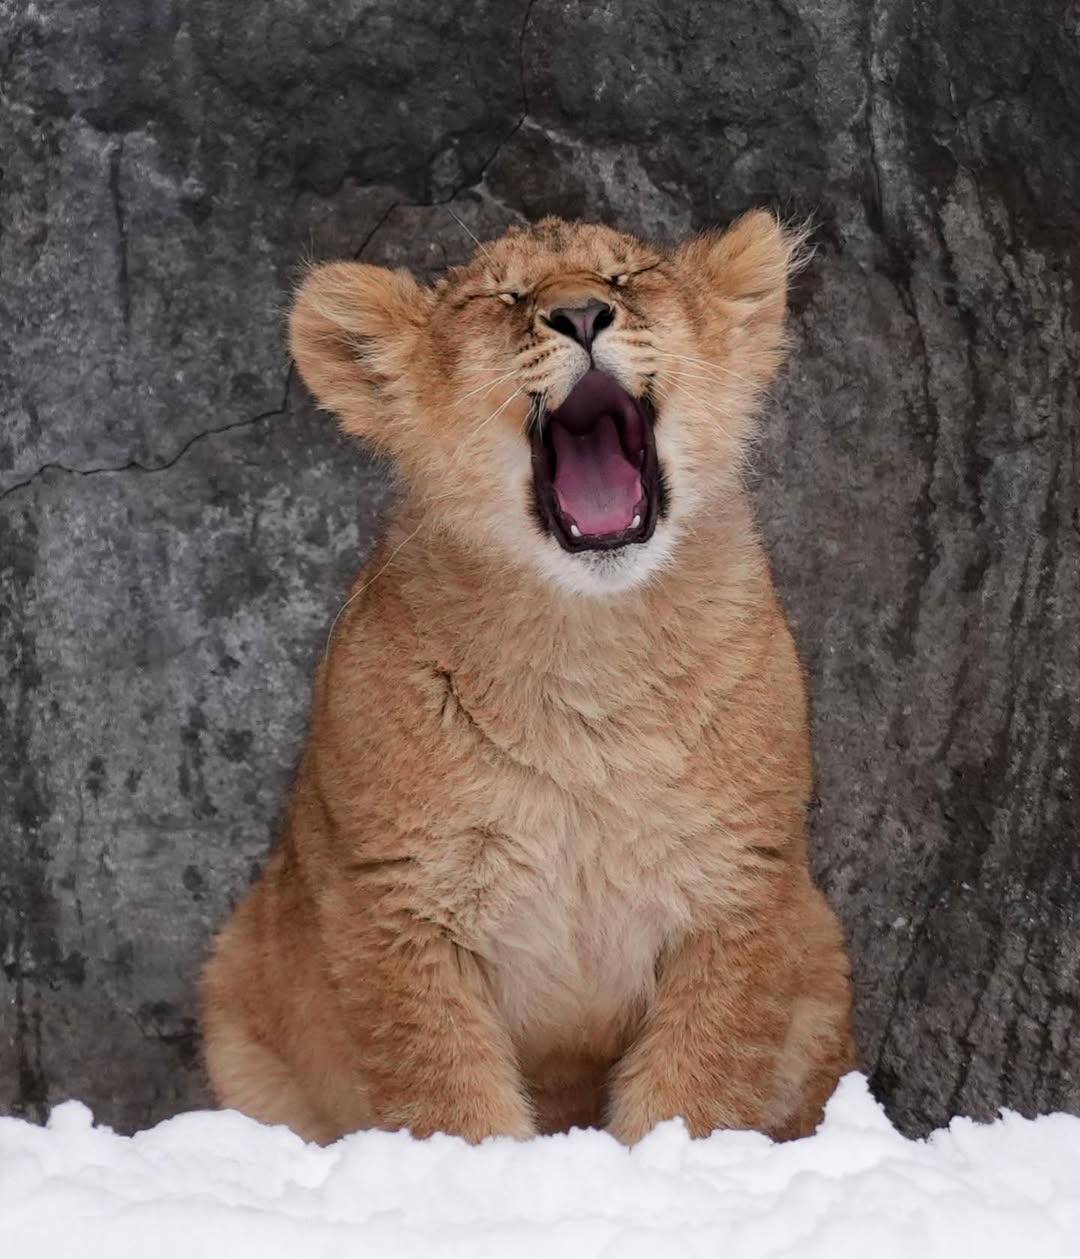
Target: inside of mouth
596, 451
597, 484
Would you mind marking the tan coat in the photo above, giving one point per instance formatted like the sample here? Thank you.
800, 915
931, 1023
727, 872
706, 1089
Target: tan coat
545, 861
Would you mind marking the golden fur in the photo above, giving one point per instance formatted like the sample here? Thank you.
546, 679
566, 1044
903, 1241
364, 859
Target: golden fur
545, 861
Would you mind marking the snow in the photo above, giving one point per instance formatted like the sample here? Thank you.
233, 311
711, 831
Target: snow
209, 1184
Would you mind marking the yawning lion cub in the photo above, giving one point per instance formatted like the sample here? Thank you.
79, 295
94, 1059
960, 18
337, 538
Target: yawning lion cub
545, 863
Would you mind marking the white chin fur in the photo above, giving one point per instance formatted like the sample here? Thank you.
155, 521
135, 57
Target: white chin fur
599, 573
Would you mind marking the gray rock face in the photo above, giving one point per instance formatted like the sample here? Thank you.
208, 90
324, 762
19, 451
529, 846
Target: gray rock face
178, 525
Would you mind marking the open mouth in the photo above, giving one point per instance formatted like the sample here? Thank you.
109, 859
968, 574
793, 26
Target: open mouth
595, 472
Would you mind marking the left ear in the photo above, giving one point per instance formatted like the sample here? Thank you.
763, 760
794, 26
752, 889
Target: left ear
352, 331
742, 276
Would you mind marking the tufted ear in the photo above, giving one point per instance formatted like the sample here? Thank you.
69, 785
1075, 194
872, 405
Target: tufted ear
353, 331
741, 277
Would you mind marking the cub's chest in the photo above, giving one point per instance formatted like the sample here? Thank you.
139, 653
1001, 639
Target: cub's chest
584, 866
568, 923
575, 958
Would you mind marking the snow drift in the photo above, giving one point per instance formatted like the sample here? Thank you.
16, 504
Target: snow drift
219, 1184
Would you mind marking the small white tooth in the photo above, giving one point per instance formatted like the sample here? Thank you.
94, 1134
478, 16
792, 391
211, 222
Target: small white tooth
635, 522
575, 531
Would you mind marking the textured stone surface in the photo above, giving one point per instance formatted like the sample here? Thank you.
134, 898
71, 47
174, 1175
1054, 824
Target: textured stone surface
177, 524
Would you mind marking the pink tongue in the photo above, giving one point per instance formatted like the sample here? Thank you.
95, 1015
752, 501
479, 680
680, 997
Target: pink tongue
595, 483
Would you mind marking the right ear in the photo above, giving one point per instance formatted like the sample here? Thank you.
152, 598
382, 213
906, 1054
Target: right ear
353, 332
741, 278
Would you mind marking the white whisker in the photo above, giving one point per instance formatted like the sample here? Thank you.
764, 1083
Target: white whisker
468, 232
707, 406
471, 372
675, 374
541, 411
708, 403
497, 411
708, 366
375, 576
485, 388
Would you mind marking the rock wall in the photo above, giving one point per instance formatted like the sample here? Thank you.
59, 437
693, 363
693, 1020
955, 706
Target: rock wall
178, 525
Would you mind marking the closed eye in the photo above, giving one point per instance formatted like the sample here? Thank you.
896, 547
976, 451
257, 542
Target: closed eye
504, 295
621, 277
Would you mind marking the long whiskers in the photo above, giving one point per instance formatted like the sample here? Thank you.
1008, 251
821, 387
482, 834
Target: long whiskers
709, 367
540, 412
375, 576
711, 408
360, 589
676, 373
677, 381
486, 387
498, 410
468, 231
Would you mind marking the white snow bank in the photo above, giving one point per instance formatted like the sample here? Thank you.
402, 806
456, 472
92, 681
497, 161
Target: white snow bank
219, 1184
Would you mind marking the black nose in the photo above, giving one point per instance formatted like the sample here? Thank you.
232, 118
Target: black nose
582, 324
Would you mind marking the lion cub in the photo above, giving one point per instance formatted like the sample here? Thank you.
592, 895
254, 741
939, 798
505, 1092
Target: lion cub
545, 861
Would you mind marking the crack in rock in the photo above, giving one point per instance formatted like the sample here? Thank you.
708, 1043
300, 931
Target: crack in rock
133, 465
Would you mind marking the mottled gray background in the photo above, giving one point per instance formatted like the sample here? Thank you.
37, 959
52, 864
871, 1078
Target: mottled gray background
178, 525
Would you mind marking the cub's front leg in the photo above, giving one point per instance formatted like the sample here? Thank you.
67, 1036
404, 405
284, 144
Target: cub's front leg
431, 1052
732, 1039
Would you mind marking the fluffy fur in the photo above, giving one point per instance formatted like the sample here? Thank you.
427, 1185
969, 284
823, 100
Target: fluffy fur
545, 861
